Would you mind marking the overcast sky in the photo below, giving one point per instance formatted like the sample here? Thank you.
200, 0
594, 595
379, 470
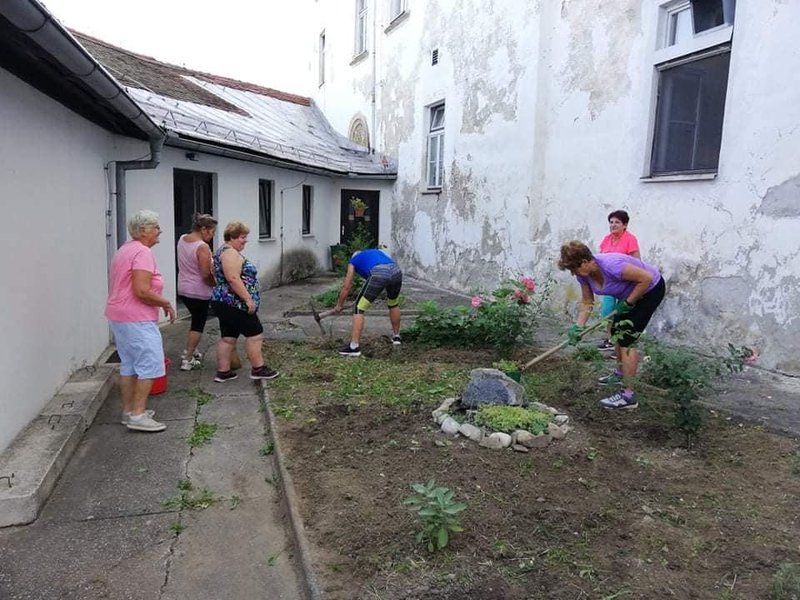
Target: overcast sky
252, 40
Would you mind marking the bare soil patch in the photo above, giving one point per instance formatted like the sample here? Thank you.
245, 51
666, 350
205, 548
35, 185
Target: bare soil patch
616, 510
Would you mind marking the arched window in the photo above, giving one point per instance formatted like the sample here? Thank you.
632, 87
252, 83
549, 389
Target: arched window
359, 132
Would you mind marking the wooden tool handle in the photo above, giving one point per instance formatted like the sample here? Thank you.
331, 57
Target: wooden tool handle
555, 349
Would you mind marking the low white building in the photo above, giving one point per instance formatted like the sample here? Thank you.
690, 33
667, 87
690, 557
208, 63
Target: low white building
92, 133
520, 125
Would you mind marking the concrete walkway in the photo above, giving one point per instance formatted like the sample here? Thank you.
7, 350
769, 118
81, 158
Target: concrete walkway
105, 532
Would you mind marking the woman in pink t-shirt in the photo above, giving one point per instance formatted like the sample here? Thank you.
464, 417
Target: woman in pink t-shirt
195, 280
134, 297
620, 241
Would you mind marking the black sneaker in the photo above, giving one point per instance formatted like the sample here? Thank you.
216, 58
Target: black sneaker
348, 351
223, 376
263, 372
396, 340
605, 345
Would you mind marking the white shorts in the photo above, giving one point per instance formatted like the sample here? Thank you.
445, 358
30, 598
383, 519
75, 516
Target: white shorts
140, 348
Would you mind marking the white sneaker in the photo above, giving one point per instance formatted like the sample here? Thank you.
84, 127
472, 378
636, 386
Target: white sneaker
188, 365
126, 416
144, 423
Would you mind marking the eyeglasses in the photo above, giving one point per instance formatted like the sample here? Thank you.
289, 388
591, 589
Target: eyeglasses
158, 227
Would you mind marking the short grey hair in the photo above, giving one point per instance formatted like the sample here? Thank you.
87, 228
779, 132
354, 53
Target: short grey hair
140, 221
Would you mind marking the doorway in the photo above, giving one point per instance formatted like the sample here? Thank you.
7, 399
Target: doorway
192, 193
353, 221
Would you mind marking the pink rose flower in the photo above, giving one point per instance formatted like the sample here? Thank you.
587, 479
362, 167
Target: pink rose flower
528, 282
751, 360
476, 301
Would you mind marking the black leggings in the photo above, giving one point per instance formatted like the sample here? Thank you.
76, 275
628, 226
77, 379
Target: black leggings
199, 311
627, 327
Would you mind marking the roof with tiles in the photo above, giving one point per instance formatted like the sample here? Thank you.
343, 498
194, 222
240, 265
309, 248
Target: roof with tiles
220, 111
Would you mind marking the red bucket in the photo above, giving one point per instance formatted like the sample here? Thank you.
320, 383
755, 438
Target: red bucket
160, 383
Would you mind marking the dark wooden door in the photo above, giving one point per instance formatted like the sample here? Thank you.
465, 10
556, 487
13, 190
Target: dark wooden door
351, 221
192, 194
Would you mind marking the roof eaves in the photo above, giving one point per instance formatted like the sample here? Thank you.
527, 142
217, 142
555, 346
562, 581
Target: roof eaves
214, 147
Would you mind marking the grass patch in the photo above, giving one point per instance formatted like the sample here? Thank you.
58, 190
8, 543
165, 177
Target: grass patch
202, 434
266, 449
199, 395
177, 527
361, 382
794, 463
785, 583
189, 498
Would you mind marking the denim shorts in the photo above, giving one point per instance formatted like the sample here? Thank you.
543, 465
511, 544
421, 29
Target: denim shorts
140, 349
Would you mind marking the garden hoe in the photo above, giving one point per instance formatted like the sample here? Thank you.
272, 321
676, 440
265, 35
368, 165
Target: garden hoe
555, 349
318, 316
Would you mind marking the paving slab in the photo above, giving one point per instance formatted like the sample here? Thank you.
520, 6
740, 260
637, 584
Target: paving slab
86, 560
233, 553
116, 472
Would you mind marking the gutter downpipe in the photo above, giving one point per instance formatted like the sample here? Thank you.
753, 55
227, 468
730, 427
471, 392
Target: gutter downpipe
280, 268
374, 137
120, 168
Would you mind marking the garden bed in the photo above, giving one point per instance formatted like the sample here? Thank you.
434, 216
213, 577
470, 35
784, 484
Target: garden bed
617, 509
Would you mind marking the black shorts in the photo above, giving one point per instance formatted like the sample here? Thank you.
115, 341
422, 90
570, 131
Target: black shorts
199, 310
626, 328
234, 322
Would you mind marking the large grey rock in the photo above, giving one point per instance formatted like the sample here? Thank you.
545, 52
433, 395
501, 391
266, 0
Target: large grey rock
490, 386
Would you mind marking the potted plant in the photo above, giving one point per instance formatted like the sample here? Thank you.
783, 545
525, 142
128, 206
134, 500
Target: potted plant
359, 206
511, 368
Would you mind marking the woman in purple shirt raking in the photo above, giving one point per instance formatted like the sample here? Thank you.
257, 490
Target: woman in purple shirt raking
638, 288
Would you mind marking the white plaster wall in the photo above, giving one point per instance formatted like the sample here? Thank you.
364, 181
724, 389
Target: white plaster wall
235, 192
547, 128
53, 195
727, 248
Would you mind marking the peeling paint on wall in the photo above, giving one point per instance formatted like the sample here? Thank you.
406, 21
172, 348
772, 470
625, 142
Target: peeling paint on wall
485, 63
782, 200
599, 49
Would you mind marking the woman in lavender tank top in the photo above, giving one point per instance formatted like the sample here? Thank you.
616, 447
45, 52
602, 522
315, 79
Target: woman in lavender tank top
638, 289
195, 280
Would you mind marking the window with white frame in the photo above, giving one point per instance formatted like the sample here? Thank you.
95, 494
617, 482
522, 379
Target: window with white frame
435, 162
361, 27
321, 58
692, 63
396, 8
308, 202
265, 206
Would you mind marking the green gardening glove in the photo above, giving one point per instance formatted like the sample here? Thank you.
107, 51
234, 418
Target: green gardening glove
574, 334
622, 306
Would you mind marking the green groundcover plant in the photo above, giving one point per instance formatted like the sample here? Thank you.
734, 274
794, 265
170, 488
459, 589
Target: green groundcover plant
500, 320
510, 418
438, 512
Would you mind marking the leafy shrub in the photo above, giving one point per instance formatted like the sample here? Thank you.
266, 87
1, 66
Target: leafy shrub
299, 263
588, 353
437, 511
687, 376
511, 418
506, 366
499, 320
329, 297
785, 583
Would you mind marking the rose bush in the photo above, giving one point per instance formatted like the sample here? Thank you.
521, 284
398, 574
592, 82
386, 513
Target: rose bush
501, 319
